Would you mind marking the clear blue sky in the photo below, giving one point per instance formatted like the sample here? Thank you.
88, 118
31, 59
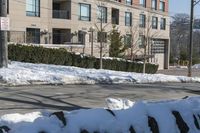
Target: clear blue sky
182, 6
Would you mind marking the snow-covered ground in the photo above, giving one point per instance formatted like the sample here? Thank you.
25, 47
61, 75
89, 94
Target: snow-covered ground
197, 66
19, 73
101, 120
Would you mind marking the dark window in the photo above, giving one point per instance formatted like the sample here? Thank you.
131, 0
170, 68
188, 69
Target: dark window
141, 42
80, 37
104, 37
115, 16
162, 23
33, 8
85, 12
154, 22
127, 40
33, 35
142, 20
128, 19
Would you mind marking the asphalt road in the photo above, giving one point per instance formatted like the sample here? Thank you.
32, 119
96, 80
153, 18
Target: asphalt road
22, 99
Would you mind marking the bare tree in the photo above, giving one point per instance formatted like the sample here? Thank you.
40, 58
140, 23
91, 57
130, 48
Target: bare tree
101, 28
134, 31
149, 35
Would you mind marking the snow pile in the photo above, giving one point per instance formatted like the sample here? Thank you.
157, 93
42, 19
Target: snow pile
118, 104
19, 73
170, 116
197, 66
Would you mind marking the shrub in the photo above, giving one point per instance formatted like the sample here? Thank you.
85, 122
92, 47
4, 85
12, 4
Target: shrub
37, 54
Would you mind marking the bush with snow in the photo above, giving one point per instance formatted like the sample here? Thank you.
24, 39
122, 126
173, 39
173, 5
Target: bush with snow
196, 66
170, 116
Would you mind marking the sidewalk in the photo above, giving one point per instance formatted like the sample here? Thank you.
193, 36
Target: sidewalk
179, 72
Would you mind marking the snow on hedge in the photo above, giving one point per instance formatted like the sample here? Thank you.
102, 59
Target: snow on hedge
197, 66
167, 116
19, 73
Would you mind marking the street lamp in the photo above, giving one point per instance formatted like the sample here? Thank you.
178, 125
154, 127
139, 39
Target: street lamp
92, 29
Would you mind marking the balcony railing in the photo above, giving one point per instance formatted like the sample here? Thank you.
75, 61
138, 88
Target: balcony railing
115, 20
61, 14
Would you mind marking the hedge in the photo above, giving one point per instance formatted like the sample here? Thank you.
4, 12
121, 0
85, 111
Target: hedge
38, 54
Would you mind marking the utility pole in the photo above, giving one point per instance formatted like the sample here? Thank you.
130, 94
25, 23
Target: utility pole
191, 39
193, 3
3, 36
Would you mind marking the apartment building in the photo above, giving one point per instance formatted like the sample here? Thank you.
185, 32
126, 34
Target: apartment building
75, 25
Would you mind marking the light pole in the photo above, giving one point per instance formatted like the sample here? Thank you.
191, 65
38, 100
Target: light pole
92, 29
193, 3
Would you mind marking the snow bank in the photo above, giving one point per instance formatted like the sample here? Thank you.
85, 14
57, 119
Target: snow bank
19, 73
170, 116
197, 66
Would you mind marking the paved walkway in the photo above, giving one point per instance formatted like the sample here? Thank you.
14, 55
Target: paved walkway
23, 99
180, 72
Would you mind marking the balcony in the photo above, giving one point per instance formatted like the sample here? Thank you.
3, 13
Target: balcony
61, 14
61, 9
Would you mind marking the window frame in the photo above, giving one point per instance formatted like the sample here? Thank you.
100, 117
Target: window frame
142, 22
129, 2
104, 12
105, 34
35, 10
81, 16
128, 40
143, 3
163, 25
34, 36
128, 20
154, 4
162, 6
154, 21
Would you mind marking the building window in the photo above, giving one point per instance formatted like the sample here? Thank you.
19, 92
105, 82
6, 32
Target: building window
142, 20
162, 23
115, 16
127, 40
85, 12
102, 10
104, 37
143, 3
33, 35
154, 4
128, 19
141, 41
154, 22
33, 8
162, 6
129, 2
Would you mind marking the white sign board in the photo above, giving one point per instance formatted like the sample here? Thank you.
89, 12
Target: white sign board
5, 24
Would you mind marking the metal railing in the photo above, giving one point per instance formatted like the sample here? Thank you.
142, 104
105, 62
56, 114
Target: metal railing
62, 14
49, 38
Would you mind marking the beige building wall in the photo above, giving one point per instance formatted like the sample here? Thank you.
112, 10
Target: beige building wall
19, 22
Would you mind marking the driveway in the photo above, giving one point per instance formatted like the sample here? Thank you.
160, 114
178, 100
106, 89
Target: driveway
22, 99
